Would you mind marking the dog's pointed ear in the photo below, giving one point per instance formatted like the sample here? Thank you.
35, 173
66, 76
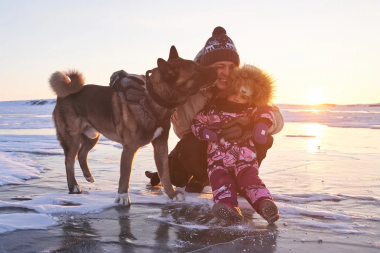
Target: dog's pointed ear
167, 71
164, 66
173, 53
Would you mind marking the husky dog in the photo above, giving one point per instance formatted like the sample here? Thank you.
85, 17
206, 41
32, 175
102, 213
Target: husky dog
83, 112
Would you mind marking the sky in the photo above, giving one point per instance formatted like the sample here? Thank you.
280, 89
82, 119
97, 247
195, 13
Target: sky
323, 51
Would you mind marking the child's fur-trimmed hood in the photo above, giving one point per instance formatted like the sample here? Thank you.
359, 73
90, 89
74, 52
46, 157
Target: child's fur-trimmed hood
258, 81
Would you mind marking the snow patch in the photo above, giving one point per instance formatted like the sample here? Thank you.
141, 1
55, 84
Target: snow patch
11, 222
14, 170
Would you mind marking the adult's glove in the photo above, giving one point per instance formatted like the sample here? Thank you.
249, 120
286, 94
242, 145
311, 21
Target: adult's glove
237, 129
116, 75
209, 134
128, 86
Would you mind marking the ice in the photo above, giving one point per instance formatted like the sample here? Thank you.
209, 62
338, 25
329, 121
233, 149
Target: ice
15, 170
321, 178
25, 221
292, 211
92, 202
189, 226
305, 198
37, 114
23, 115
359, 116
340, 228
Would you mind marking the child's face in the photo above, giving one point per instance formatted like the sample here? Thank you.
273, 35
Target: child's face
241, 97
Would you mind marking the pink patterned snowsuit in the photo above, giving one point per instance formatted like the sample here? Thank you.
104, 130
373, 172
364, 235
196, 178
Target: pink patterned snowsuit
232, 167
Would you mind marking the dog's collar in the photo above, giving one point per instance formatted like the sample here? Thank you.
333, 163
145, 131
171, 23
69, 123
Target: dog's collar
159, 100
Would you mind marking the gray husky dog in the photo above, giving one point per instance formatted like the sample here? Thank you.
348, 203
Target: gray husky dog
84, 112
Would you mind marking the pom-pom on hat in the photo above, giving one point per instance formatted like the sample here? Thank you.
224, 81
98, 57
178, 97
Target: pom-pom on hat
219, 48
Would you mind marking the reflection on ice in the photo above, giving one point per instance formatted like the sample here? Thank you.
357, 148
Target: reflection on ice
314, 130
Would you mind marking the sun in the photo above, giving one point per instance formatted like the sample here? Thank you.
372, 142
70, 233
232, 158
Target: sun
315, 97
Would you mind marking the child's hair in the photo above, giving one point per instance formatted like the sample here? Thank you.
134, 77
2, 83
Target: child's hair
258, 81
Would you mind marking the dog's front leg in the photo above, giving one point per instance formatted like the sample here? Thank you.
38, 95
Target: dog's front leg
122, 196
160, 146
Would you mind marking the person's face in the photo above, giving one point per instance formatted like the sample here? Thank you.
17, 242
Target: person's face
238, 98
241, 97
224, 69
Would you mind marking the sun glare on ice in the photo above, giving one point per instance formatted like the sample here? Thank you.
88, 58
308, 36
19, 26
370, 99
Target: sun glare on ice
316, 130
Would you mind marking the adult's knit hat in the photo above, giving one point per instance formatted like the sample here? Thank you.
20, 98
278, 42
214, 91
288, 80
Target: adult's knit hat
219, 48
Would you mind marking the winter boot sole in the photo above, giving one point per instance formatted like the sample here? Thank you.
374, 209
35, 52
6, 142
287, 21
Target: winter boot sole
226, 213
269, 211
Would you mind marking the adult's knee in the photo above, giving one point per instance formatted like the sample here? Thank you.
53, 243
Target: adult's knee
191, 144
177, 172
192, 149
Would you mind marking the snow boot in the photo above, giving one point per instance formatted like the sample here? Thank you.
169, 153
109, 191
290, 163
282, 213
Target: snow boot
228, 212
269, 211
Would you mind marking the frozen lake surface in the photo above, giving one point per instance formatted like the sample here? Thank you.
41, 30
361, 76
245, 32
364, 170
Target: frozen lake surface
323, 171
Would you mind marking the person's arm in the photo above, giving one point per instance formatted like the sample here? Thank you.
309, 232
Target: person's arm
202, 130
242, 127
278, 121
184, 114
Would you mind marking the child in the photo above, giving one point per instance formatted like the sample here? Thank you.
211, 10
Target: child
233, 167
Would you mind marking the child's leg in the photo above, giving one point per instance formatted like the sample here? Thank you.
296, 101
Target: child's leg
250, 184
222, 184
224, 192
254, 190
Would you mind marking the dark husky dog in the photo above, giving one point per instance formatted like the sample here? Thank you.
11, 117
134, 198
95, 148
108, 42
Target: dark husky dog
83, 112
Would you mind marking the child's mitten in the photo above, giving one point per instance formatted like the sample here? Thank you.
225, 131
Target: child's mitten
209, 134
263, 120
260, 131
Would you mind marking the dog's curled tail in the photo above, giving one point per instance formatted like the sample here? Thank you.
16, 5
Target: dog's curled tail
66, 83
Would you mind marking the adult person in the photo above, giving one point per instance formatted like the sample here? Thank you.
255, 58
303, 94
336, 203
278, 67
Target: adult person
188, 160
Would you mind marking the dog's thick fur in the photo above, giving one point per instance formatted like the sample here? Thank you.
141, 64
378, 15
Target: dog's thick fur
83, 112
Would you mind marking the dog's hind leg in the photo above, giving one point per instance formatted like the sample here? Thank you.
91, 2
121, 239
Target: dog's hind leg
70, 143
71, 154
86, 145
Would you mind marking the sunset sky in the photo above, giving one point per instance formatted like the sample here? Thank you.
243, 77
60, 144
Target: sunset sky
324, 51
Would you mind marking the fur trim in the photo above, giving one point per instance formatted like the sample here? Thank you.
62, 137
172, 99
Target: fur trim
260, 83
66, 83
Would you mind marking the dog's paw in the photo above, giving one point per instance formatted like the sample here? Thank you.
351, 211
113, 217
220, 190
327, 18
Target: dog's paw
179, 197
75, 190
123, 199
90, 179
